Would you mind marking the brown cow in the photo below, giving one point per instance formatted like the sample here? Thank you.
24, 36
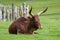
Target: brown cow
26, 25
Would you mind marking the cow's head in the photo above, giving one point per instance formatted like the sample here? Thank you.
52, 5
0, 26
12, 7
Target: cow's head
35, 18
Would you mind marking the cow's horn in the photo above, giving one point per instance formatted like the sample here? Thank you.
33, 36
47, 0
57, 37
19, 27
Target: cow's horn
30, 12
44, 10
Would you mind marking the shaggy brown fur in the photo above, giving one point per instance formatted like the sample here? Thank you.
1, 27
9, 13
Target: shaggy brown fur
25, 25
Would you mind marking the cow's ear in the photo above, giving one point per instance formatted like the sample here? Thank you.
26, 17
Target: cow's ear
30, 11
43, 11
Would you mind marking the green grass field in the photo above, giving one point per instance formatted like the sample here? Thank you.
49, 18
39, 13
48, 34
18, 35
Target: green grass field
50, 21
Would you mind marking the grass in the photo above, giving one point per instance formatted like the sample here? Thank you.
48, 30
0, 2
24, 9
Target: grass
50, 21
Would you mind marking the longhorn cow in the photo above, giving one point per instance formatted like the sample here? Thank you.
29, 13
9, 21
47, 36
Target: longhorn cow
26, 25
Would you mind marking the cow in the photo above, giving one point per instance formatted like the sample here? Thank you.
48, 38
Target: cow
26, 25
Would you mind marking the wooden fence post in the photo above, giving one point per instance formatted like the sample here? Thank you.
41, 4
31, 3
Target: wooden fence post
0, 15
4, 13
8, 13
14, 12
24, 10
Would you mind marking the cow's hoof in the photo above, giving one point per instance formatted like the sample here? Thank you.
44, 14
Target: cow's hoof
35, 33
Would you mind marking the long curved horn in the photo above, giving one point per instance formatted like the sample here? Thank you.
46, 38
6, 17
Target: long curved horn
44, 10
30, 11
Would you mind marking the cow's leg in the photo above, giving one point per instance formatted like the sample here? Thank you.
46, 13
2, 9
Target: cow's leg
18, 31
33, 33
